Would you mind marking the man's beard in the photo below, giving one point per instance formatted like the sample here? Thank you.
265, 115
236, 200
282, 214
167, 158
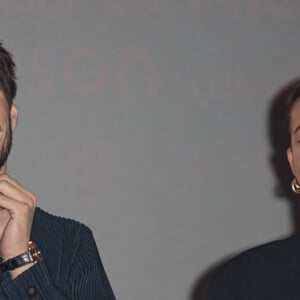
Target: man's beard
6, 146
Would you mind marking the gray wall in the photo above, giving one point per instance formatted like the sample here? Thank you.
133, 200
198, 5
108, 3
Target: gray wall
147, 120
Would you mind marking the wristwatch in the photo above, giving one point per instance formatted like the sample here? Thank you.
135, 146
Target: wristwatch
32, 255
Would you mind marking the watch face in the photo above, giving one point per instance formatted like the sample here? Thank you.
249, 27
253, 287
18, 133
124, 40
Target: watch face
36, 253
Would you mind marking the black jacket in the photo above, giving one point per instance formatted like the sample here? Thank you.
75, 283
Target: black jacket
267, 272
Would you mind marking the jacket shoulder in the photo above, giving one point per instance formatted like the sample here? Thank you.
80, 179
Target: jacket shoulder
261, 256
257, 268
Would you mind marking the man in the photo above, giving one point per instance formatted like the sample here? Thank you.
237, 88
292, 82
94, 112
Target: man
68, 265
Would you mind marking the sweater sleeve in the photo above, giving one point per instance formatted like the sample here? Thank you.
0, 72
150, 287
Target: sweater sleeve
86, 278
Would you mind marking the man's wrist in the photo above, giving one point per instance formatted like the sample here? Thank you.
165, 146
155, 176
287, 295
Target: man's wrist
13, 253
20, 263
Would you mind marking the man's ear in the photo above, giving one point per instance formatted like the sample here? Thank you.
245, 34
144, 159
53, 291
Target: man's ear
14, 115
289, 153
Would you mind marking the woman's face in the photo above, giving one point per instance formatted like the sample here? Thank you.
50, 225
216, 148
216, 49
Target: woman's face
293, 152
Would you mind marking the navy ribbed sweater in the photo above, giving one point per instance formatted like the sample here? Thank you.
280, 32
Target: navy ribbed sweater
71, 268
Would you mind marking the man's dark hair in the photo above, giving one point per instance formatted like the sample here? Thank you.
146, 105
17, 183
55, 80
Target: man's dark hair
7, 75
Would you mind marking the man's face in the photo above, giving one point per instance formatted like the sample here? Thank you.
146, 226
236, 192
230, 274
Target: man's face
5, 130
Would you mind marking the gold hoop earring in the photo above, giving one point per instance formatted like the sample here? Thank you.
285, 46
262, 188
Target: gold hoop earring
295, 186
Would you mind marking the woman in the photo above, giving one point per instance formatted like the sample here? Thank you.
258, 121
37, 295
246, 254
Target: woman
270, 271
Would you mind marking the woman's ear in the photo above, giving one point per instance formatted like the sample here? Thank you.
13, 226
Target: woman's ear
289, 153
14, 115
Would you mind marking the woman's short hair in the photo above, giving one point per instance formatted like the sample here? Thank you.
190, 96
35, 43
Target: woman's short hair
293, 96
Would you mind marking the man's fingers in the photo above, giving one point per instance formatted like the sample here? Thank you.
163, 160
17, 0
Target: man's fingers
17, 185
13, 192
15, 207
